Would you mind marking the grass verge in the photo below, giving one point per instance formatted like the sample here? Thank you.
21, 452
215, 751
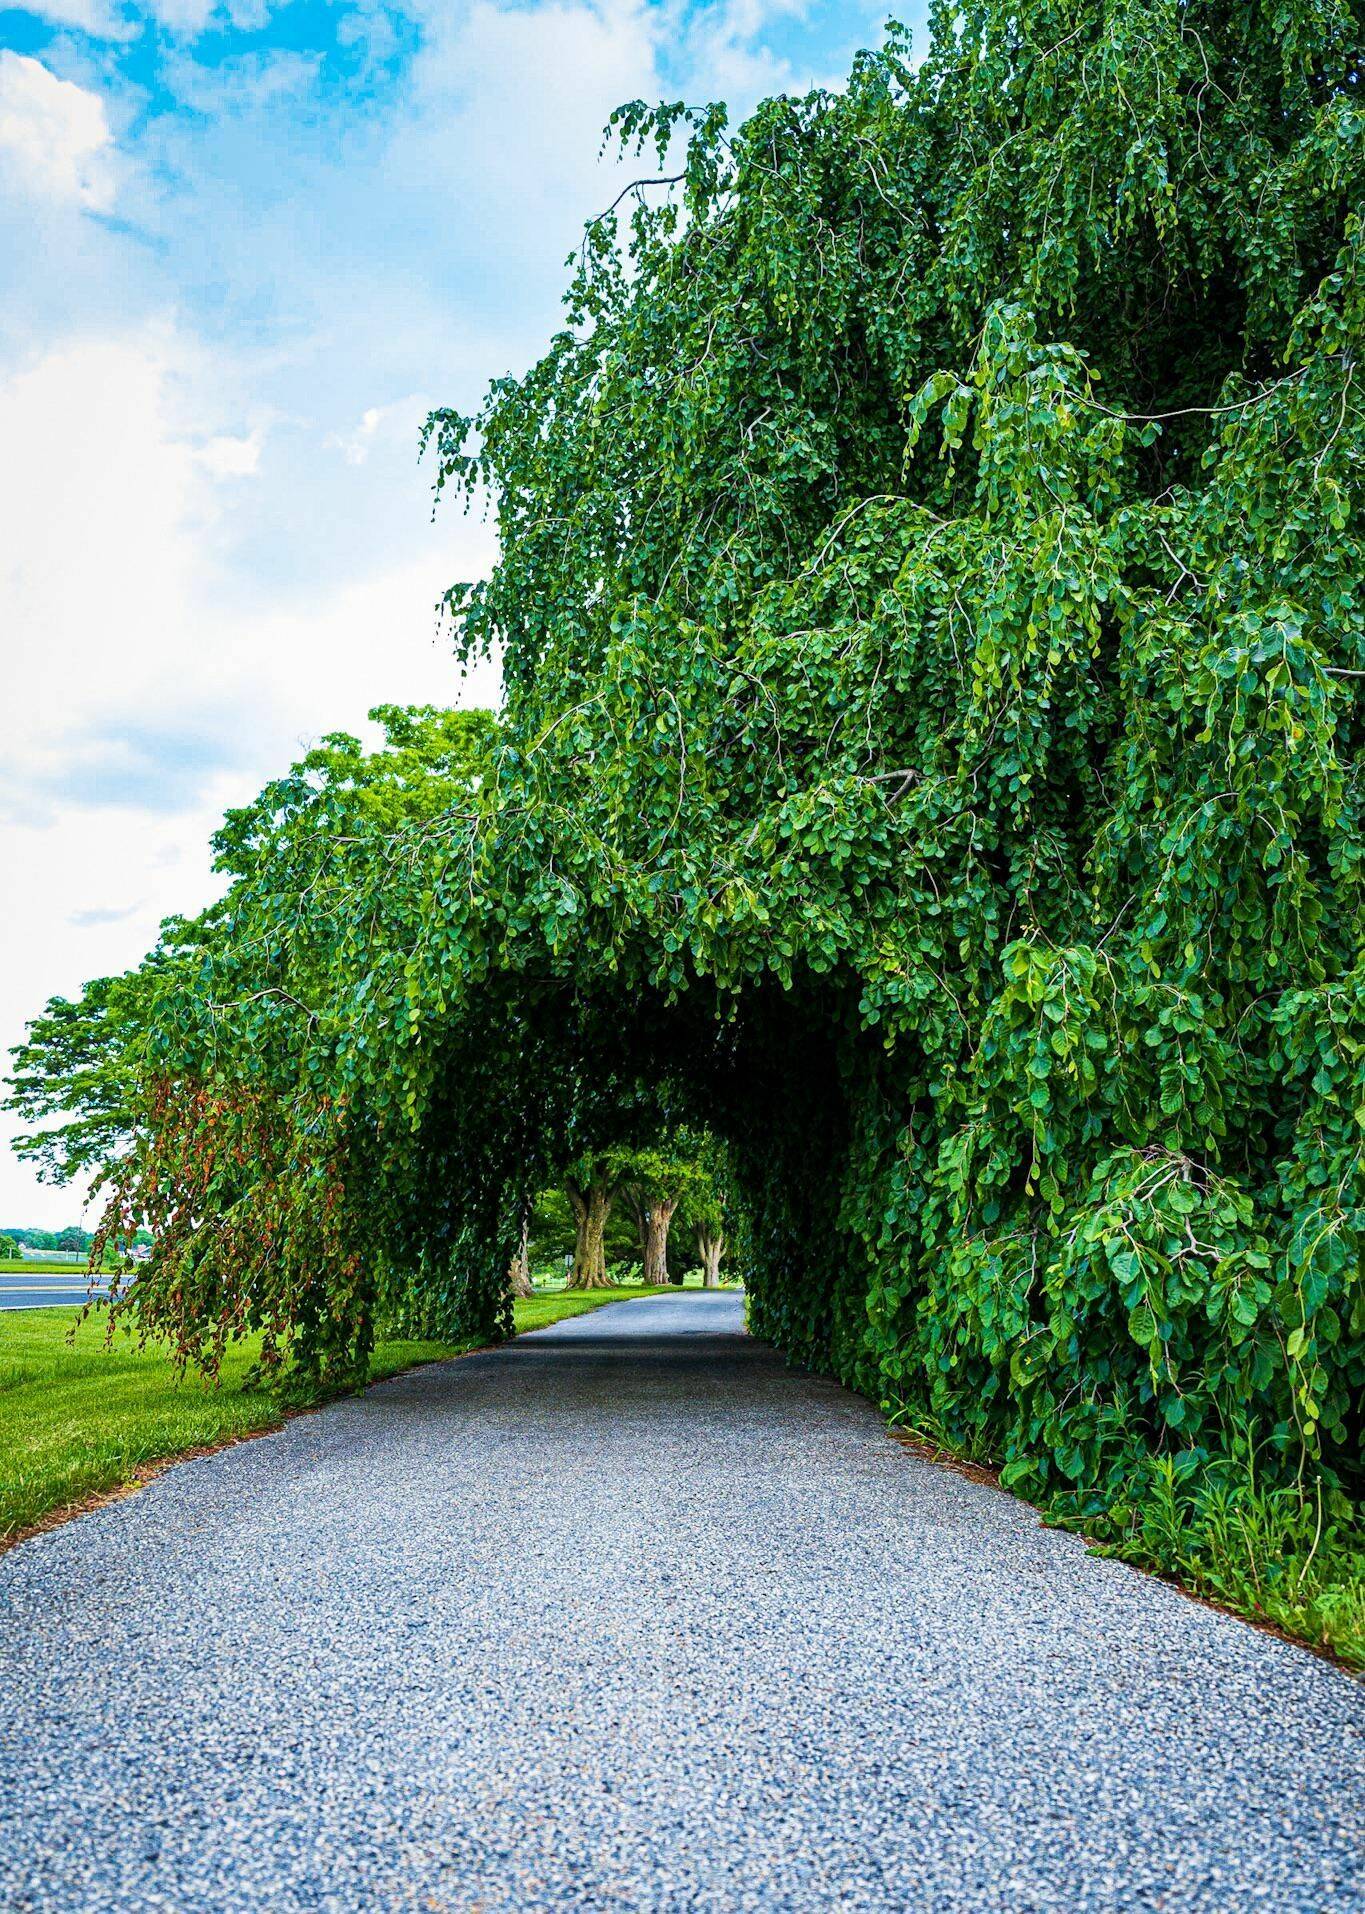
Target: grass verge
1290, 1563
79, 1419
42, 1266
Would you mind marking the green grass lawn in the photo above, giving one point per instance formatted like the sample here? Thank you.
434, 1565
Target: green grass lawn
551, 1277
78, 1418
41, 1266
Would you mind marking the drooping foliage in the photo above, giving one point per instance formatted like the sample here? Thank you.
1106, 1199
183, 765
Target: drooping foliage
930, 583
197, 1085
931, 615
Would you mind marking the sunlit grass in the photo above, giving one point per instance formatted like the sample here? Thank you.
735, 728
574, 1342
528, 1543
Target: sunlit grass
80, 1418
42, 1266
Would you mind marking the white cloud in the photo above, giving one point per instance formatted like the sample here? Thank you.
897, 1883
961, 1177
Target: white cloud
100, 494
116, 589
509, 109
383, 429
226, 457
243, 84
95, 17
54, 135
355, 446
724, 60
142, 695
105, 914
185, 17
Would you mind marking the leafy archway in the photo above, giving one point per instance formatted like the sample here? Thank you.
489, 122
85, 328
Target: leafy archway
930, 613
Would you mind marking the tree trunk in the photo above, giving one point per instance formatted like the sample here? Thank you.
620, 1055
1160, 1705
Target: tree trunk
591, 1207
519, 1271
710, 1249
639, 1211
656, 1241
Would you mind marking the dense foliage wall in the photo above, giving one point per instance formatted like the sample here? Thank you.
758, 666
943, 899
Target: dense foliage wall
931, 612
931, 584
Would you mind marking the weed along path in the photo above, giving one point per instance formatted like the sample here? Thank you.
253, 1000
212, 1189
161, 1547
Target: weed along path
627, 1615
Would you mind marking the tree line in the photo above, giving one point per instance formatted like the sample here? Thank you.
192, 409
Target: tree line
72, 1240
652, 1191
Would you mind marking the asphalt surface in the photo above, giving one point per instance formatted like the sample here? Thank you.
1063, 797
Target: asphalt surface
630, 1616
46, 1292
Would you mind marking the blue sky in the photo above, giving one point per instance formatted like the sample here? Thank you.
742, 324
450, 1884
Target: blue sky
243, 248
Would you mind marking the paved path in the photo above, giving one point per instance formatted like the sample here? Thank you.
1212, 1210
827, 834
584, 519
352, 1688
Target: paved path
44, 1291
628, 1616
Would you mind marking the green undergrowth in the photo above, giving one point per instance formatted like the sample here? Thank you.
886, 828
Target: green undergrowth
1287, 1557
1293, 1559
79, 1418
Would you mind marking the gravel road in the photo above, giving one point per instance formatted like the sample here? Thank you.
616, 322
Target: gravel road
628, 1615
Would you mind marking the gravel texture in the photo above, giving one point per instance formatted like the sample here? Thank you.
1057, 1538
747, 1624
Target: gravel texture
628, 1615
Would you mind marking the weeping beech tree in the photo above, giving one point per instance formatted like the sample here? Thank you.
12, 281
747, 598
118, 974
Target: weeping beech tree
931, 614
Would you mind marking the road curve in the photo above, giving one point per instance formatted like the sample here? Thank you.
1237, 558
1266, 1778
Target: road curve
630, 1616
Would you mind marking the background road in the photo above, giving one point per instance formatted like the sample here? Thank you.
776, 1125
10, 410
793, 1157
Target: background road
43, 1291
630, 1616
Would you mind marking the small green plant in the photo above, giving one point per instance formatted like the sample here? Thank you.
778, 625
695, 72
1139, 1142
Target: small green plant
1291, 1557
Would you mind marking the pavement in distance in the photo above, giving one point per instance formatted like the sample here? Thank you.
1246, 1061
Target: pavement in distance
46, 1291
628, 1615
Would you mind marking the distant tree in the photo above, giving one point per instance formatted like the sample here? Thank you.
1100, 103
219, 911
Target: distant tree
92, 1091
652, 1183
708, 1196
519, 1270
552, 1229
590, 1184
76, 1076
9, 1249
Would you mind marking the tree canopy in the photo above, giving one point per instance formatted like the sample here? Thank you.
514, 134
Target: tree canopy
930, 610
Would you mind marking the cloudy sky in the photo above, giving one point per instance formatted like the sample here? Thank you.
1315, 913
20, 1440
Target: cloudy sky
244, 245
